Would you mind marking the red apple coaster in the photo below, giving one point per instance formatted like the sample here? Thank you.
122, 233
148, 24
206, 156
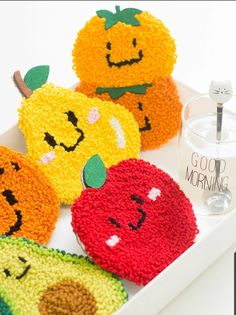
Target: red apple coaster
136, 223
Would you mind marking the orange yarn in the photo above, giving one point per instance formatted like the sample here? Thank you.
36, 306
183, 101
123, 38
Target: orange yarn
135, 56
29, 206
94, 43
159, 108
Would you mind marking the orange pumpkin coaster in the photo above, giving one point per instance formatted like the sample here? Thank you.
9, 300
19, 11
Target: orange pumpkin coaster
29, 206
133, 58
157, 126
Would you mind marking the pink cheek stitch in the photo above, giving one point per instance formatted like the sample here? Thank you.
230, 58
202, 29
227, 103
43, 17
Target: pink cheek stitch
154, 193
48, 157
93, 115
113, 240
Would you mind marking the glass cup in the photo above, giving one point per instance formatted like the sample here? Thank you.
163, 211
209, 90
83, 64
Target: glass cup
208, 166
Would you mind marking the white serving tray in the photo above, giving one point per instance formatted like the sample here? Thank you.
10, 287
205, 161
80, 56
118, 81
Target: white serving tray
216, 235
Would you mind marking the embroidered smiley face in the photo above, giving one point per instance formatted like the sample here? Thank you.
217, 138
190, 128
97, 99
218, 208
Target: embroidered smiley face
134, 56
137, 223
38, 280
63, 129
25, 270
29, 205
130, 47
125, 62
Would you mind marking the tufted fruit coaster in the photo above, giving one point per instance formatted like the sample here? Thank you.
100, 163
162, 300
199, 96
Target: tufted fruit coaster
63, 129
29, 206
134, 56
123, 55
36, 280
156, 126
137, 223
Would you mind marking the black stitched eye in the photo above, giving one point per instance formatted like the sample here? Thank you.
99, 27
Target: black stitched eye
72, 118
136, 199
7, 272
1, 170
114, 222
22, 259
134, 42
140, 106
109, 45
50, 139
15, 166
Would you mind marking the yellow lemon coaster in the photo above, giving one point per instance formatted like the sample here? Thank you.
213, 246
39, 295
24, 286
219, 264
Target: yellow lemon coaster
63, 129
29, 206
36, 280
132, 61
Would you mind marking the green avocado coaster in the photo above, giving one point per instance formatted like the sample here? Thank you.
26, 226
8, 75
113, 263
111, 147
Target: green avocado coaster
36, 280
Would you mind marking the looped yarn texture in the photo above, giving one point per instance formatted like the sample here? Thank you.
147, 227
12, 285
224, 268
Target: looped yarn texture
36, 280
63, 129
137, 223
29, 205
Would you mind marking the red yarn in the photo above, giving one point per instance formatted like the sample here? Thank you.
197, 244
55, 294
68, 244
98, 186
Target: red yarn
151, 233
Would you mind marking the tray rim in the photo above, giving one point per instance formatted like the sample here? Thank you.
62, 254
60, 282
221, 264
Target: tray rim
152, 298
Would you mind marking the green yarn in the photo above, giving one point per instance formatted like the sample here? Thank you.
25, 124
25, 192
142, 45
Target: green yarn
126, 16
118, 92
4, 308
32, 269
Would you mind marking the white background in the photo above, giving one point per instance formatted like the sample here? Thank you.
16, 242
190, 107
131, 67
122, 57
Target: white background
34, 33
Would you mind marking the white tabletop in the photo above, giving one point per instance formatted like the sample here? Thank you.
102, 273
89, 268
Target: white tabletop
34, 33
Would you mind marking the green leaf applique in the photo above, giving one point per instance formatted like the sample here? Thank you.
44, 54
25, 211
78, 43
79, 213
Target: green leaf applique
118, 92
126, 16
36, 77
94, 172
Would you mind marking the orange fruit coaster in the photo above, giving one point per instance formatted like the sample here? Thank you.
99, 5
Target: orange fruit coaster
29, 206
132, 61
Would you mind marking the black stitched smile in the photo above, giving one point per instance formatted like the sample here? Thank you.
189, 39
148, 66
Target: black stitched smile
140, 221
140, 210
147, 125
146, 119
52, 142
11, 200
124, 62
23, 274
16, 227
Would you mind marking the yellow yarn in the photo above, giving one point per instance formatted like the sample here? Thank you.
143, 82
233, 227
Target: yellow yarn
152, 37
108, 129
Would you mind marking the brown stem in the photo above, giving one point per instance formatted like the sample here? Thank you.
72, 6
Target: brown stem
22, 87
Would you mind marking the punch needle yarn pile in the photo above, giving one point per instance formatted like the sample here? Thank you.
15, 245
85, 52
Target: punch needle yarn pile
63, 129
29, 206
35, 280
131, 64
137, 223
